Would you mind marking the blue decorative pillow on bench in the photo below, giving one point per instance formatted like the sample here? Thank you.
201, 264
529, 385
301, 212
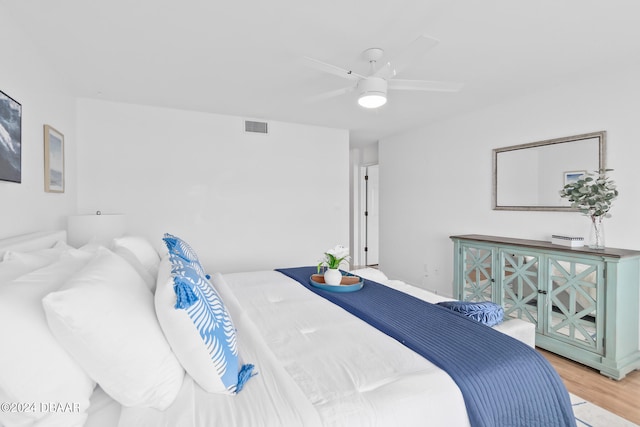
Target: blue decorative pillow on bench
486, 312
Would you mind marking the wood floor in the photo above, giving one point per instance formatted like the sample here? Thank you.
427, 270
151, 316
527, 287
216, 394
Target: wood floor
620, 397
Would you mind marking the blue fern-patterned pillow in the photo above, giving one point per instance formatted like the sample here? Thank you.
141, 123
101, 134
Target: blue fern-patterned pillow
179, 247
216, 329
195, 296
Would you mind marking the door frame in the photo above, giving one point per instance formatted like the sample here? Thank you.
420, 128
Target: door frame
360, 202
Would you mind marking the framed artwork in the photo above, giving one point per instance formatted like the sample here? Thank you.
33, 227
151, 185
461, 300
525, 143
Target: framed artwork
10, 139
573, 176
53, 160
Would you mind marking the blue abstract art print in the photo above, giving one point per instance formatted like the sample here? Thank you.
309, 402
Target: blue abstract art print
10, 139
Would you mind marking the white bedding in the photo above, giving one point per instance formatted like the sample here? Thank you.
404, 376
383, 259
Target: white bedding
271, 398
317, 365
103, 410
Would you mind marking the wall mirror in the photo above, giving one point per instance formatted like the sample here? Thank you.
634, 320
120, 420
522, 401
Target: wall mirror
530, 176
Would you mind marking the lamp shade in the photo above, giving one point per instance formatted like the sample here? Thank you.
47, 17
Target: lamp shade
98, 228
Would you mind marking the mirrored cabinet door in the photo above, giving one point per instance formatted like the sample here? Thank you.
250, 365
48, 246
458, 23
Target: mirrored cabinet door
477, 271
520, 285
575, 300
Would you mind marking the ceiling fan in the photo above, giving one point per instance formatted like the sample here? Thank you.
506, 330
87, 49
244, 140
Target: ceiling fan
372, 89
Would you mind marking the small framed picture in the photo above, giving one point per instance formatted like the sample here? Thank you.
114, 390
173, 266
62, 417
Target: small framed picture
53, 160
572, 177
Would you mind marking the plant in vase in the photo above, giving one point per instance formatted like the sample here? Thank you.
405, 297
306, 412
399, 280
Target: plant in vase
592, 195
332, 259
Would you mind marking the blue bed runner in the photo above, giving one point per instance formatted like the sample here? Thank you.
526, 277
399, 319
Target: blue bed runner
504, 382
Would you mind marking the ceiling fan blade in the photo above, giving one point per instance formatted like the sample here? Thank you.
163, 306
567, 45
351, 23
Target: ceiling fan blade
330, 94
425, 85
331, 69
415, 50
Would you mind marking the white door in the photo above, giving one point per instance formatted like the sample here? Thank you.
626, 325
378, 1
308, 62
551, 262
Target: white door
371, 216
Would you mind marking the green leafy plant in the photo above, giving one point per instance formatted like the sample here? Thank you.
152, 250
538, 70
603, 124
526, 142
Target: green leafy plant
592, 194
334, 257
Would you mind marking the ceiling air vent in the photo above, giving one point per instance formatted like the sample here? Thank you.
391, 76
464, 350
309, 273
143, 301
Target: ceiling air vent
257, 127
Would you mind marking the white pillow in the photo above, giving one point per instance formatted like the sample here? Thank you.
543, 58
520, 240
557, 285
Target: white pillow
104, 317
141, 255
14, 264
49, 253
14, 268
371, 274
33, 365
32, 241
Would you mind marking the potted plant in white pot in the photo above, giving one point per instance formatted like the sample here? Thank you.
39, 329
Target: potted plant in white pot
592, 195
332, 260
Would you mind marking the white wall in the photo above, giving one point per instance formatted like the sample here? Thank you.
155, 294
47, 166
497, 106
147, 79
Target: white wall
436, 181
26, 77
243, 201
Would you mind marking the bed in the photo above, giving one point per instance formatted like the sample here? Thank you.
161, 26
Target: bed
98, 350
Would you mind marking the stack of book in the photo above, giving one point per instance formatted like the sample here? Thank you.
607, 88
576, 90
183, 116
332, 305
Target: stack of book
571, 241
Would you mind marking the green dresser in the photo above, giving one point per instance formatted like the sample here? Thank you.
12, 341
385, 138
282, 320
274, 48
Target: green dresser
584, 302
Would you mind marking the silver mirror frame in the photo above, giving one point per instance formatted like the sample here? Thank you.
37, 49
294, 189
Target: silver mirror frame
602, 140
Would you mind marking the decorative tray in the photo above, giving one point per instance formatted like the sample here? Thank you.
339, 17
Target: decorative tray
348, 283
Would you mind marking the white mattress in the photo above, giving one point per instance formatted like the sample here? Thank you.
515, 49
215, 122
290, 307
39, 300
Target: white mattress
317, 365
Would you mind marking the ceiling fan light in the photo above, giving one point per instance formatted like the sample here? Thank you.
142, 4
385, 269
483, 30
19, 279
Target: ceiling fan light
373, 92
372, 99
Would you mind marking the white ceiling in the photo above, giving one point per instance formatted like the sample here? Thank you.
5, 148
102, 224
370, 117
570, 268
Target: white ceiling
244, 58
